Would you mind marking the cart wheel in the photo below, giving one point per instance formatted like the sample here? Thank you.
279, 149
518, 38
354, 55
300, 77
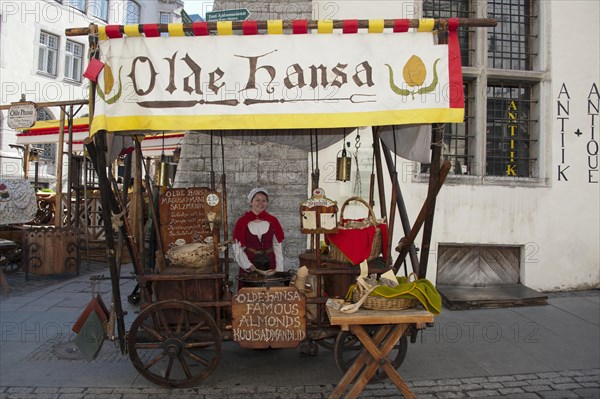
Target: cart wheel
347, 347
327, 343
174, 343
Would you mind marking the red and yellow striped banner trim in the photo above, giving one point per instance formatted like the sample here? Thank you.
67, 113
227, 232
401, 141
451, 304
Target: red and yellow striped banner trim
271, 27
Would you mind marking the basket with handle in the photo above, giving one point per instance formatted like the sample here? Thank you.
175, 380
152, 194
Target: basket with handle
197, 255
371, 220
374, 302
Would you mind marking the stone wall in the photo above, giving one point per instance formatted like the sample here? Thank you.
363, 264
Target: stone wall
269, 10
280, 169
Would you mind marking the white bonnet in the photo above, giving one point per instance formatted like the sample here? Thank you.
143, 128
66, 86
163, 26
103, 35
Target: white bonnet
255, 191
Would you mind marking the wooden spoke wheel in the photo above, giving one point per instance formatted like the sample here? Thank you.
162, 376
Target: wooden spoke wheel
174, 343
327, 343
347, 347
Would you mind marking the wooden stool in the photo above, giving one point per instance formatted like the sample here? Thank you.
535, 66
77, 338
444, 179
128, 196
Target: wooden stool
376, 348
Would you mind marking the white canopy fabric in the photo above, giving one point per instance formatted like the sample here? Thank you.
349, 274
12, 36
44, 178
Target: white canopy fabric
412, 142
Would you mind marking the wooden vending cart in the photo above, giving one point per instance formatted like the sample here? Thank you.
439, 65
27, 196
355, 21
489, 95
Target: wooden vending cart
137, 87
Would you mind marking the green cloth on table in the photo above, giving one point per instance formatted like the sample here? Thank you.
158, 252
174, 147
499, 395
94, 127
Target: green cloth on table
422, 290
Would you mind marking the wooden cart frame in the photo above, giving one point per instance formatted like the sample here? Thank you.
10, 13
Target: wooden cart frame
185, 331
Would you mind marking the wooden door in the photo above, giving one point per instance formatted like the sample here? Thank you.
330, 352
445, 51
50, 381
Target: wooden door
478, 265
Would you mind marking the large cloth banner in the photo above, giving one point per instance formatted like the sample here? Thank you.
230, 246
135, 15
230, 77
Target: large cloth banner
277, 82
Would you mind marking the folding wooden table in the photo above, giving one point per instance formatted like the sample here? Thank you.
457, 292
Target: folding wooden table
376, 347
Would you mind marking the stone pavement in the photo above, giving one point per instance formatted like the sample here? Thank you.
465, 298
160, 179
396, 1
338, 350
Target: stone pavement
550, 351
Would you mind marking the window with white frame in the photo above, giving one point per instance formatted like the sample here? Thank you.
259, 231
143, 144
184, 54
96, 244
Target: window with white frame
78, 4
132, 12
166, 18
500, 134
99, 9
48, 53
73, 60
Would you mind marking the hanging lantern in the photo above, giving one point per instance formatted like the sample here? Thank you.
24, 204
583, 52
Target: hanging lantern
343, 165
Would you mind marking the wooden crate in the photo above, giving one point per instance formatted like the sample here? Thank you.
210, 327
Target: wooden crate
50, 250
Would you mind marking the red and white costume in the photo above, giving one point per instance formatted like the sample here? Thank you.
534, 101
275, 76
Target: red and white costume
258, 233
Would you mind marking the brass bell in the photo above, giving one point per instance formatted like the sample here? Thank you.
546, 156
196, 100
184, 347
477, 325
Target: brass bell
343, 166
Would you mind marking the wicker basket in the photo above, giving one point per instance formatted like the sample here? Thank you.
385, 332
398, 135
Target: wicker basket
196, 255
335, 253
380, 303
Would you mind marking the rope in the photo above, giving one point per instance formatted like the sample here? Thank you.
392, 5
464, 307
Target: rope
116, 221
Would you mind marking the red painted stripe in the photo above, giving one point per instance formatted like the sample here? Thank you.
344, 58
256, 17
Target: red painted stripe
151, 30
249, 27
300, 26
113, 31
51, 130
401, 25
350, 26
200, 28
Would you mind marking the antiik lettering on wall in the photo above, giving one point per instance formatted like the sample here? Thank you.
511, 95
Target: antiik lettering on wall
593, 104
591, 145
563, 103
512, 127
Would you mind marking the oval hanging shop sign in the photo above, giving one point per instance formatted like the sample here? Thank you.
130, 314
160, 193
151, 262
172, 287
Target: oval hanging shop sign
21, 116
269, 317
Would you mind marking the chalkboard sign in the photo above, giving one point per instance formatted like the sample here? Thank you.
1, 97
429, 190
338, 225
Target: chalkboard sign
269, 317
183, 215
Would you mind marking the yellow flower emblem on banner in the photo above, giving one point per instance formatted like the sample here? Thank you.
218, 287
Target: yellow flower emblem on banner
414, 73
109, 83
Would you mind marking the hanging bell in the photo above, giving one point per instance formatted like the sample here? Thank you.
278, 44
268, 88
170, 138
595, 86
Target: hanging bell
343, 165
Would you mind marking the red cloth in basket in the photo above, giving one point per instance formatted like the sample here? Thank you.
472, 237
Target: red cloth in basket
356, 244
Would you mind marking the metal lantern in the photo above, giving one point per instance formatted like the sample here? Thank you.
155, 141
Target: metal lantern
343, 165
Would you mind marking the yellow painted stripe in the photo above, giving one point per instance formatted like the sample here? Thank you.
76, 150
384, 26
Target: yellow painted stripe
275, 27
131, 30
281, 121
175, 30
426, 25
376, 25
102, 33
224, 28
325, 26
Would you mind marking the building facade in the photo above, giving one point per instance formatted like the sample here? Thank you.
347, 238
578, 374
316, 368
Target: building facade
38, 61
521, 205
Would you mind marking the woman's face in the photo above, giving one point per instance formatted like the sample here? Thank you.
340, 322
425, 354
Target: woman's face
259, 203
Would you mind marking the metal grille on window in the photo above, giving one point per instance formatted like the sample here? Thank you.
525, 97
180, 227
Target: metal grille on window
510, 43
457, 142
454, 9
510, 147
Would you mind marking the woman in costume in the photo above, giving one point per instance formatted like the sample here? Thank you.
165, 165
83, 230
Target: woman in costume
257, 237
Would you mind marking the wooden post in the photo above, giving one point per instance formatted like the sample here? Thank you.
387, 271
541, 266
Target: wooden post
59, 169
379, 167
100, 150
414, 260
437, 137
406, 242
